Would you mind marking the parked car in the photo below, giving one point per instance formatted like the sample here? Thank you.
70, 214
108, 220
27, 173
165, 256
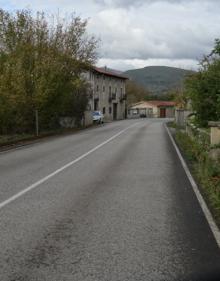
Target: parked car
98, 117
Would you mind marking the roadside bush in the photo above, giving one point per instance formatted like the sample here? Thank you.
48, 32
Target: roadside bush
205, 170
194, 151
40, 69
203, 88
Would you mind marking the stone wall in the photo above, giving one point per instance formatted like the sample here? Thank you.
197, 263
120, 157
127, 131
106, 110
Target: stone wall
103, 88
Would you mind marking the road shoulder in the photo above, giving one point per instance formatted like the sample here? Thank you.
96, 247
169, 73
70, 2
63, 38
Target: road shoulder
214, 228
42, 138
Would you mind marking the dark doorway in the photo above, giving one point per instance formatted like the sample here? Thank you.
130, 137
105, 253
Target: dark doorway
96, 104
126, 112
114, 111
162, 112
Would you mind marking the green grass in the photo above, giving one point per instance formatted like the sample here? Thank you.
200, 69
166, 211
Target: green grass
13, 139
205, 170
173, 124
7, 140
10, 139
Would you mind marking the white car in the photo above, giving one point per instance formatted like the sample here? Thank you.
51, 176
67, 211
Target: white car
98, 117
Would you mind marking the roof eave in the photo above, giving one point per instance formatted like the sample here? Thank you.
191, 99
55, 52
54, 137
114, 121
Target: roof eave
109, 73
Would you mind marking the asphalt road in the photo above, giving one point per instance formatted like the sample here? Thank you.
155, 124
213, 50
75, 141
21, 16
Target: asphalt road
123, 211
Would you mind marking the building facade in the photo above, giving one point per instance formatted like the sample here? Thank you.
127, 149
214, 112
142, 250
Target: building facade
107, 93
158, 109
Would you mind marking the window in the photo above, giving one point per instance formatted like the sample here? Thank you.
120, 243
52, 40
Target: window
121, 91
150, 111
103, 110
110, 90
103, 88
97, 88
135, 111
110, 110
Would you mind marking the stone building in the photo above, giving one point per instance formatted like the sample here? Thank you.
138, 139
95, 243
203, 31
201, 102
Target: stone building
107, 93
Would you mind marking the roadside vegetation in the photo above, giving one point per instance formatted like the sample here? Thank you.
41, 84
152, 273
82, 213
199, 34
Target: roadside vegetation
203, 88
41, 62
136, 93
201, 95
205, 169
22, 138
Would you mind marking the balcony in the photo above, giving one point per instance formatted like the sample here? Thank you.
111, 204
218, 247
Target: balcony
123, 98
112, 97
96, 97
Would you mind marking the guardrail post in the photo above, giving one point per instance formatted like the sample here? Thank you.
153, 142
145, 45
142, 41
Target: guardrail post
215, 132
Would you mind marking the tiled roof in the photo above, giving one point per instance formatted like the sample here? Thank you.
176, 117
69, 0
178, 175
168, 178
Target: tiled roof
162, 103
157, 103
109, 72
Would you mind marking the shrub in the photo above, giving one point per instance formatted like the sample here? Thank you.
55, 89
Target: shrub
205, 170
40, 69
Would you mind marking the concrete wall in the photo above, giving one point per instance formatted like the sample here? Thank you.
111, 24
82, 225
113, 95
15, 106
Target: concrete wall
88, 119
215, 135
67, 122
181, 116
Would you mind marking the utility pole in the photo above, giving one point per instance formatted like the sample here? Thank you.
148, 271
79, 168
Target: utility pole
36, 123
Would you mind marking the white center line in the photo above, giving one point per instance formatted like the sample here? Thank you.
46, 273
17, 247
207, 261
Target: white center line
36, 184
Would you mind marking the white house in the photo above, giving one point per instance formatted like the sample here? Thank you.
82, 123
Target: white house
156, 108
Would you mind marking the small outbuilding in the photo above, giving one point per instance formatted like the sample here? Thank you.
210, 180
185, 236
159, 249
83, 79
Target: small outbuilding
155, 108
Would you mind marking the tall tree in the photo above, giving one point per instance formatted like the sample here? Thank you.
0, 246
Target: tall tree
135, 93
203, 88
40, 69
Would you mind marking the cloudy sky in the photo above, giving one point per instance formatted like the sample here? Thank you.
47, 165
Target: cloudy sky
140, 33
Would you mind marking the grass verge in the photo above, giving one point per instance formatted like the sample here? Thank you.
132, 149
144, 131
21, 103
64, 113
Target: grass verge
19, 139
205, 170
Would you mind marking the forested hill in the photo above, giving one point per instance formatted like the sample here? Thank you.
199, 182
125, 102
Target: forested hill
158, 79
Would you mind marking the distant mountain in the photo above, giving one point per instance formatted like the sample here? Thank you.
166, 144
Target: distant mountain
158, 79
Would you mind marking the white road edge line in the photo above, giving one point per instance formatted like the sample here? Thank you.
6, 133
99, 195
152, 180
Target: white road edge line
214, 228
36, 184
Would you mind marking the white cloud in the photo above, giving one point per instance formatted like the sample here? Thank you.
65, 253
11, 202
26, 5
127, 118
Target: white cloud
135, 33
133, 3
138, 63
164, 31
